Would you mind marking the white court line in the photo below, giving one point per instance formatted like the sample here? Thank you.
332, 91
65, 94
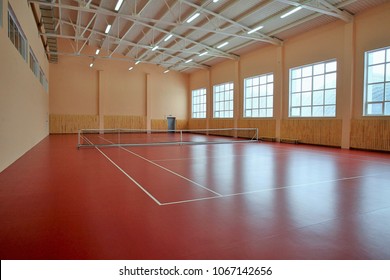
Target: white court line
266, 190
131, 178
127, 175
218, 195
174, 173
143, 189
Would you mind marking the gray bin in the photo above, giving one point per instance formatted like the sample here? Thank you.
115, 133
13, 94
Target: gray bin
171, 124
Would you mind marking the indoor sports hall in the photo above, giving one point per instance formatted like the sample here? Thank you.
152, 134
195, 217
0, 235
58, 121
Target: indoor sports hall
194, 130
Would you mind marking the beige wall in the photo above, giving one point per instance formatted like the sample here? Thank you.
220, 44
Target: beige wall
345, 42
79, 92
24, 104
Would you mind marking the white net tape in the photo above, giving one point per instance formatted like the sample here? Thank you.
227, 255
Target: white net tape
138, 137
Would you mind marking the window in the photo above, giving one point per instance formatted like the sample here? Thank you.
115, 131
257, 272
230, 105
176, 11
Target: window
43, 80
1, 13
313, 90
223, 101
34, 66
258, 96
377, 83
16, 34
199, 103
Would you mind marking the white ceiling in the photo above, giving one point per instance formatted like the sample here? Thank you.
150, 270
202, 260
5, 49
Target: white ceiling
140, 25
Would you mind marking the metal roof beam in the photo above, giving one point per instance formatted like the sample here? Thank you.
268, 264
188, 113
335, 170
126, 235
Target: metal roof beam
115, 40
322, 7
261, 37
136, 19
308, 18
170, 65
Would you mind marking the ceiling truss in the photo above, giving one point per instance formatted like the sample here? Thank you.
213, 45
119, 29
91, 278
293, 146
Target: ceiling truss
157, 31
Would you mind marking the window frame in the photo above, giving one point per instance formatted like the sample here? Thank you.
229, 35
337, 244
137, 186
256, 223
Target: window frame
1, 13
256, 82
33, 64
220, 92
16, 34
385, 83
316, 97
201, 112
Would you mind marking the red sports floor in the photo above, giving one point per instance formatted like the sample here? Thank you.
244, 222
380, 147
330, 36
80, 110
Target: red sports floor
221, 201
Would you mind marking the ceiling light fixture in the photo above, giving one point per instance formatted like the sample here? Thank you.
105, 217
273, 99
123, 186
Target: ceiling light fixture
131, 68
194, 16
203, 53
291, 12
97, 51
215, 1
91, 65
118, 5
255, 29
168, 37
107, 28
222, 45
137, 62
166, 71
154, 48
188, 61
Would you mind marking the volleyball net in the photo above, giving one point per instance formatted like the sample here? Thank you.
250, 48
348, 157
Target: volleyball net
143, 137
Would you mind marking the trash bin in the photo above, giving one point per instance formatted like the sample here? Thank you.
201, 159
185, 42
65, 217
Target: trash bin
171, 124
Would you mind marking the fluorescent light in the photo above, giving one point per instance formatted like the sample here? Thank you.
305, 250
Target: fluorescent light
188, 61
91, 65
118, 5
215, 1
137, 62
203, 53
194, 16
291, 12
168, 37
222, 45
108, 28
154, 48
97, 51
131, 68
255, 29
166, 71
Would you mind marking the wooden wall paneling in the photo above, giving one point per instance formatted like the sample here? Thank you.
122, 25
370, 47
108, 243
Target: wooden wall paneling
72, 123
266, 127
162, 124
371, 134
319, 132
197, 123
130, 122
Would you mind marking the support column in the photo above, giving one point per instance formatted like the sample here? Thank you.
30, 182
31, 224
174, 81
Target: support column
237, 93
345, 96
279, 91
148, 102
100, 99
209, 100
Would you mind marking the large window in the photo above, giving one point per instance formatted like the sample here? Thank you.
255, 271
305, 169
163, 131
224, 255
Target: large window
16, 34
223, 100
1, 13
34, 66
43, 80
199, 103
313, 90
377, 83
258, 96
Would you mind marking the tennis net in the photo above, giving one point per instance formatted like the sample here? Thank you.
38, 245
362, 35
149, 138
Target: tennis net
139, 137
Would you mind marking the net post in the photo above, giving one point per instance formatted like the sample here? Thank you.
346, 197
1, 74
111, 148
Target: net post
78, 139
